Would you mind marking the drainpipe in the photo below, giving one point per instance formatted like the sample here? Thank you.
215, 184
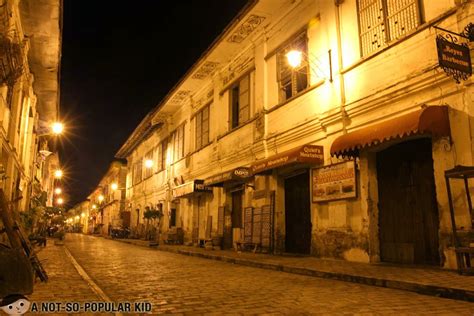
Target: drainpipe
340, 65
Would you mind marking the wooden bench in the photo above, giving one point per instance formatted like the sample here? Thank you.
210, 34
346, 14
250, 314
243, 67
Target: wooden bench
463, 258
242, 246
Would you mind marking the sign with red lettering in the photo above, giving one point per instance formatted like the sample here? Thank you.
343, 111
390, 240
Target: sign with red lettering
454, 58
334, 182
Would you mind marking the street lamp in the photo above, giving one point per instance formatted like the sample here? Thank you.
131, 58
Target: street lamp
296, 57
60, 201
58, 191
100, 198
58, 174
114, 186
94, 206
57, 128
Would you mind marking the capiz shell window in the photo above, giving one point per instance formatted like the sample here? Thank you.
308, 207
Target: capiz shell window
383, 21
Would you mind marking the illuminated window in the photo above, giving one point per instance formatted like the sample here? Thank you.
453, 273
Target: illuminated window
202, 127
383, 21
240, 102
148, 168
293, 80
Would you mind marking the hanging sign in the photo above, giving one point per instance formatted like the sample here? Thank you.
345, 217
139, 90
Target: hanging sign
454, 58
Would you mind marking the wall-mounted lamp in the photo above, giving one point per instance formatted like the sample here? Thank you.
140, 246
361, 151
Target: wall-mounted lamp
58, 174
148, 163
295, 58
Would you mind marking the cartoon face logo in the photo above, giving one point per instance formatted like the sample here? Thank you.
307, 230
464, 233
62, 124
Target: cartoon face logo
15, 304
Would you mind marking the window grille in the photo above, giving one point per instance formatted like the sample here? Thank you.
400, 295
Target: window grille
383, 21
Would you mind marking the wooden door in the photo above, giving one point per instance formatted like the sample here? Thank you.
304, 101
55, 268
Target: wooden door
297, 214
408, 214
126, 219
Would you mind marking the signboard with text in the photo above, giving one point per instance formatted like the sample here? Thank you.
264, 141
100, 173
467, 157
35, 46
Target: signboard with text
237, 174
454, 58
190, 188
334, 182
305, 154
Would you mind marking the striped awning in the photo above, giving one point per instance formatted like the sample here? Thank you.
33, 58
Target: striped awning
431, 120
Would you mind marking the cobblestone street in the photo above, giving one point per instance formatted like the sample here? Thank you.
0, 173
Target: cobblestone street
175, 283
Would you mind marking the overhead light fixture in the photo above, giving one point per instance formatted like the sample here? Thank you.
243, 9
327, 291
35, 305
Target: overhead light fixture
57, 128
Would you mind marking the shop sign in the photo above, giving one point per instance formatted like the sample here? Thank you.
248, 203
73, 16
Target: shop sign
307, 153
334, 182
190, 188
237, 174
455, 59
453, 52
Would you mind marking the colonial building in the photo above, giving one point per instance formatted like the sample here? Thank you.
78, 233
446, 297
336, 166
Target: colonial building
107, 201
30, 50
314, 127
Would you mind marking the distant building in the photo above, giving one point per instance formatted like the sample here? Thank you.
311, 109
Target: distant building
107, 201
340, 155
79, 217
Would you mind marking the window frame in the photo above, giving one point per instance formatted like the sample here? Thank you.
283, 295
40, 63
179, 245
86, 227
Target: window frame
236, 118
137, 171
287, 76
177, 138
198, 121
148, 172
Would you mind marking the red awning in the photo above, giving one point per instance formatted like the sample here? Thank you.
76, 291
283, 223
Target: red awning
432, 120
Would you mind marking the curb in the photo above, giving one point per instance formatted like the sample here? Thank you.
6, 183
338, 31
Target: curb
424, 289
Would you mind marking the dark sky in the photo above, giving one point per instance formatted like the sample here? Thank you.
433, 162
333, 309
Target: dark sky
119, 59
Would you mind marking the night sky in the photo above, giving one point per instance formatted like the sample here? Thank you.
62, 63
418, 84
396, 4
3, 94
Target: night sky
119, 59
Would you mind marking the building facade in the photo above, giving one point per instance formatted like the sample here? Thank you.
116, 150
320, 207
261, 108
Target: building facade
314, 127
106, 204
30, 49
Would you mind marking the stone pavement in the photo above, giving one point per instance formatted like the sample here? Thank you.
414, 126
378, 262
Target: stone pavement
424, 280
177, 284
64, 284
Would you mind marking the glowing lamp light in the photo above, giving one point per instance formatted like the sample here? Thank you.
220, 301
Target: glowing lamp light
100, 198
58, 174
94, 206
83, 215
148, 163
114, 186
60, 201
58, 190
294, 58
57, 128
